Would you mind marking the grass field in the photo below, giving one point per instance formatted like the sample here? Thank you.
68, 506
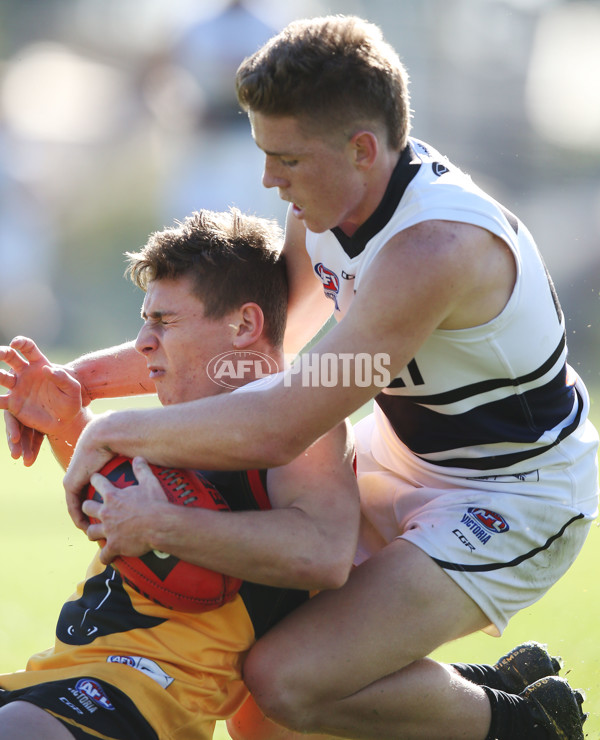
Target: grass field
43, 556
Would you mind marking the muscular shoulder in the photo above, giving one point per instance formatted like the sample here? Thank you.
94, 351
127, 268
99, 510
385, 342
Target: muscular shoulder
463, 269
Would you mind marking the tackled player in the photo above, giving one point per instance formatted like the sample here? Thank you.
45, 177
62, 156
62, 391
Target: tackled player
124, 666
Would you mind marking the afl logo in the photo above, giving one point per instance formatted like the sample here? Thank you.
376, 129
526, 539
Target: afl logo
331, 282
489, 519
123, 659
94, 691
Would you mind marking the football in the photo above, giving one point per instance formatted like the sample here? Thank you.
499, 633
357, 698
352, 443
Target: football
159, 576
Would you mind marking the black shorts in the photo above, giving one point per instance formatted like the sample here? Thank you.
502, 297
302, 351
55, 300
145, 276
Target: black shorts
87, 708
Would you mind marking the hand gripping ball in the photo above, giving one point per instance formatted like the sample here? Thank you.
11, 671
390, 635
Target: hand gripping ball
161, 577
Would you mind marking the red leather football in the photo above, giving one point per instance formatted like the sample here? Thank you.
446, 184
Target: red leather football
159, 576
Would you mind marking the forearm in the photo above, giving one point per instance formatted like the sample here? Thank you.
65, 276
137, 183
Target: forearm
111, 373
281, 547
183, 436
237, 431
63, 442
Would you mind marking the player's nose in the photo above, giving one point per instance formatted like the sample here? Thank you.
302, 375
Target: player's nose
272, 177
145, 341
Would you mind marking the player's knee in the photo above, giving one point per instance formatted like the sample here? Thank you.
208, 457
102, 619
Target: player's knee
286, 708
280, 694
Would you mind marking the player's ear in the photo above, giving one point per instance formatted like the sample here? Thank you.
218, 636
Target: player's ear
248, 324
365, 147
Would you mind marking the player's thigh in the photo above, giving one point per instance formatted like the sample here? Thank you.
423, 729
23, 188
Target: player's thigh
21, 720
396, 607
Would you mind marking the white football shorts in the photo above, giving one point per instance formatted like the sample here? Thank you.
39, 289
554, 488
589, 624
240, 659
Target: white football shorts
505, 540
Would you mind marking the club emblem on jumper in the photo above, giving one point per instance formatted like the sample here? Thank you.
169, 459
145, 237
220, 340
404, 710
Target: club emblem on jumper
439, 169
331, 282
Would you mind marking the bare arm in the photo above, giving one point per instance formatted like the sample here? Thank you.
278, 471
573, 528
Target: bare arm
112, 373
307, 540
63, 443
435, 274
308, 308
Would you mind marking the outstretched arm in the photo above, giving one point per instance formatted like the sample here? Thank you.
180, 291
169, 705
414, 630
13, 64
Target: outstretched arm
42, 399
112, 373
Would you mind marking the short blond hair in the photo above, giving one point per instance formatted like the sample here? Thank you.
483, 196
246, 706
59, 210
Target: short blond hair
336, 72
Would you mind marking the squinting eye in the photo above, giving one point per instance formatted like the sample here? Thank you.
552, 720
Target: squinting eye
155, 321
289, 162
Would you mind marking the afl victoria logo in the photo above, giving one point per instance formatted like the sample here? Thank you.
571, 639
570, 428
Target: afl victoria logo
489, 519
94, 691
